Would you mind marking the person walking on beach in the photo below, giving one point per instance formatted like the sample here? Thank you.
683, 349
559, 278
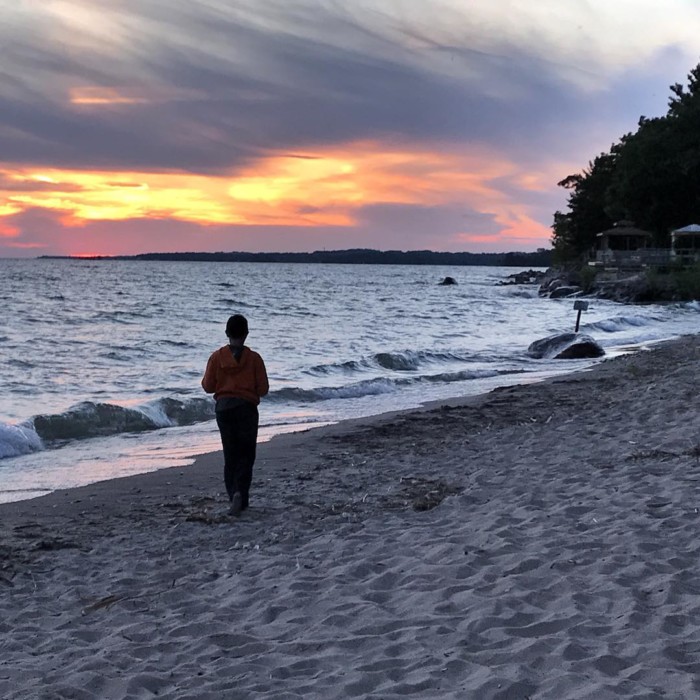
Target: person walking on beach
237, 377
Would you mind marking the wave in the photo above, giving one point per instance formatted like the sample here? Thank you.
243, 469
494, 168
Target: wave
466, 375
338, 367
21, 364
235, 302
400, 361
123, 317
522, 293
368, 387
89, 420
174, 343
16, 440
93, 419
382, 385
620, 323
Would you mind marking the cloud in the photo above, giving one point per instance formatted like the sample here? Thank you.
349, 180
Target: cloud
206, 87
244, 114
332, 187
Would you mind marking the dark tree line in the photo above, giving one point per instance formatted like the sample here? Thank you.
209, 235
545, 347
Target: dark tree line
650, 177
357, 256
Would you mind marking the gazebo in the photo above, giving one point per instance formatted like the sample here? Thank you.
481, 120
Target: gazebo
622, 244
685, 243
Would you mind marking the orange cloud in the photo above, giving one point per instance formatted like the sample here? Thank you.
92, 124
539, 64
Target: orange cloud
100, 96
515, 227
326, 187
364, 173
103, 96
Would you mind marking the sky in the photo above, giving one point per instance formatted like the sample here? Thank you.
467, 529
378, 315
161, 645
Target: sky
131, 126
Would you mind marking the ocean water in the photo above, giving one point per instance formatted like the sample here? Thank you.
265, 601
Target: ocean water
100, 361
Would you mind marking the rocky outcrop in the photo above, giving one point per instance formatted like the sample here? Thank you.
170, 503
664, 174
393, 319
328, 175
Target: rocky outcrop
524, 277
558, 282
565, 346
564, 291
630, 288
625, 286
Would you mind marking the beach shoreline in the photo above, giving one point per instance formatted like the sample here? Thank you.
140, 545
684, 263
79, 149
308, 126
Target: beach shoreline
535, 541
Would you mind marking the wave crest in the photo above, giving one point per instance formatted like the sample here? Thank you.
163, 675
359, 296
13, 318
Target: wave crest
620, 323
383, 385
398, 361
88, 419
16, 440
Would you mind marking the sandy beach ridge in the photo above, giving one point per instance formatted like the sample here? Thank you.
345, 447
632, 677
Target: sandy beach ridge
539, 541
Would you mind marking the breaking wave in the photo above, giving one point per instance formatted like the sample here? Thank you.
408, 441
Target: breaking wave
382, 385
93, 420
620, 323
16, 440
405, 361
88, 420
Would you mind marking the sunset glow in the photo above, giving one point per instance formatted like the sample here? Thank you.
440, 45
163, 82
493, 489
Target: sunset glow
140, 127
103, 96
309, 189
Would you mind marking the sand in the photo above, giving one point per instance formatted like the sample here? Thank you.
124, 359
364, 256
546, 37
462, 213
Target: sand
540, 541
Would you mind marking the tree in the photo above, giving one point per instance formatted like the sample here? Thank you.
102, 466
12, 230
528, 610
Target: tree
651, 177
575, 230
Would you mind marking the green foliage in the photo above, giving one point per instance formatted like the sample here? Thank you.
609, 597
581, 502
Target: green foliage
687, 282
651, 177
675, 283
587, 275
575, 231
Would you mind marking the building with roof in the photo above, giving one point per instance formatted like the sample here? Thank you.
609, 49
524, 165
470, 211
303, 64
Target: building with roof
626, 246
685, 244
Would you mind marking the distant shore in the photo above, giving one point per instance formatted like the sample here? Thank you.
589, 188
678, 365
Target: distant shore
355, 256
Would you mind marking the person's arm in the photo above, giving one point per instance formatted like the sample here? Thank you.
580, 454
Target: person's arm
262, 385
209, 378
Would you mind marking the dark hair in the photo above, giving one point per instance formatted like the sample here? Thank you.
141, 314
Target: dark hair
237, 327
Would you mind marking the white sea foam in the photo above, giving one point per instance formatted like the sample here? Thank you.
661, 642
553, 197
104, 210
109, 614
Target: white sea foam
621, 323
16, 440
89, 420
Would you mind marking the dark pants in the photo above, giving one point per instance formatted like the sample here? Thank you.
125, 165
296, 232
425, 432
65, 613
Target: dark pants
239, 434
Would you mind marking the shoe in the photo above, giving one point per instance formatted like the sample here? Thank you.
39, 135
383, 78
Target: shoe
236, 505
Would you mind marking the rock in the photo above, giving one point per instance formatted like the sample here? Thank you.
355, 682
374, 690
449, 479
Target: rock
563, 291
448, 280
556, 278
524, 277
565, 346
623, 286
637, 288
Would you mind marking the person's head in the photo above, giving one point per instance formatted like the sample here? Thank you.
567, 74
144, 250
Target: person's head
237, 328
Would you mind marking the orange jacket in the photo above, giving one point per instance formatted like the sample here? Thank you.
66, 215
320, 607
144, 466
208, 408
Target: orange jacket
245, 378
